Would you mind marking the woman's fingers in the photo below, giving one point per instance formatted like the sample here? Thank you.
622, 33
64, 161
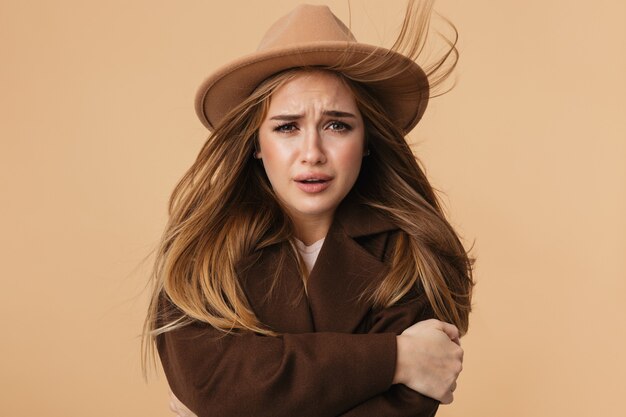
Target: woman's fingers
447, 399
452, 331
173, 400
430, 359
179, 408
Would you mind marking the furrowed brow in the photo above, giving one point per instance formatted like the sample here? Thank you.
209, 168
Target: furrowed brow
337, 113
286, 117
331, 113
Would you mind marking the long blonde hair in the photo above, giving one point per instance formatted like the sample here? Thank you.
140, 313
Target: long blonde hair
224, 209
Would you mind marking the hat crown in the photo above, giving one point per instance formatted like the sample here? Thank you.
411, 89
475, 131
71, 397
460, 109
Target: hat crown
305, 24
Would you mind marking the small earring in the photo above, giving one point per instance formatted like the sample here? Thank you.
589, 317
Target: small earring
255, 155
366, 153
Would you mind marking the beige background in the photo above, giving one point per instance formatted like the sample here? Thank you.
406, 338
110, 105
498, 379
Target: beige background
529, 149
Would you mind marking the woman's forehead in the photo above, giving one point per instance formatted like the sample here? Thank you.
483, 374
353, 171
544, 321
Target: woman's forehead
312, 88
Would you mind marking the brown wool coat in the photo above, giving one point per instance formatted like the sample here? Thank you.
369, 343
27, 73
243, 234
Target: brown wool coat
335, 357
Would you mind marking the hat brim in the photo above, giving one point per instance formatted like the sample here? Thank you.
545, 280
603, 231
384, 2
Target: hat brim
404, 94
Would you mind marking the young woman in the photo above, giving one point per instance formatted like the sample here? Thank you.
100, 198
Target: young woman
307, 268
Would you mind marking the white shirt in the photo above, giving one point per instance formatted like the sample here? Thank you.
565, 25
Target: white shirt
309, 253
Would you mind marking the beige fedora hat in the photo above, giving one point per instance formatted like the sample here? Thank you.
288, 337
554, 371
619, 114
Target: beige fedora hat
312, 36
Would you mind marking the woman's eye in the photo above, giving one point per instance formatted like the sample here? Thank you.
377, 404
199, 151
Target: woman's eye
338, 126
286, 128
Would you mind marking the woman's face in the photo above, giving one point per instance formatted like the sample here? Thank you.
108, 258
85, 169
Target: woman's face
311, 143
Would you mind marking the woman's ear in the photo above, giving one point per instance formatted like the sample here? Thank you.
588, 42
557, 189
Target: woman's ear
366, 146
257, 148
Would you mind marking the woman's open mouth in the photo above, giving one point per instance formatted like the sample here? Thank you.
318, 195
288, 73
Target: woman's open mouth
313, 183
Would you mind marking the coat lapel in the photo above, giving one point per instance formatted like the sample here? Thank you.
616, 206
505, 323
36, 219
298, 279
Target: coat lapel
344, 268
286, 310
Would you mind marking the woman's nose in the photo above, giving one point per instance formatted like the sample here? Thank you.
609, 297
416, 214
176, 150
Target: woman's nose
312, 151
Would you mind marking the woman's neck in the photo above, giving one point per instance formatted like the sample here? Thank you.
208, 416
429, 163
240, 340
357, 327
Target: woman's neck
311, 229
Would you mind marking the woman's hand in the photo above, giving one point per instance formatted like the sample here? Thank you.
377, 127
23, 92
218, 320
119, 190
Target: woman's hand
179, 408
430, 359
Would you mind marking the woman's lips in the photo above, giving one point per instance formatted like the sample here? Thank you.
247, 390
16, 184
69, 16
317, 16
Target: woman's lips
313, 183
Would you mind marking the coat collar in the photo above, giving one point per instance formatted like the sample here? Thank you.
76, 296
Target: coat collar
344, 268
358, 219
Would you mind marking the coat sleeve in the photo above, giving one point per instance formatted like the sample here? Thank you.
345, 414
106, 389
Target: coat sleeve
399, 400
308, 374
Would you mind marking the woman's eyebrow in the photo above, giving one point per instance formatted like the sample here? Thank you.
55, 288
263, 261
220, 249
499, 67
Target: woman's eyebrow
287, 117
337, 113
292, 117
